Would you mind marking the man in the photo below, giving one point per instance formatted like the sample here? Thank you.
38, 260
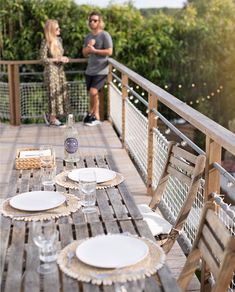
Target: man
98, 46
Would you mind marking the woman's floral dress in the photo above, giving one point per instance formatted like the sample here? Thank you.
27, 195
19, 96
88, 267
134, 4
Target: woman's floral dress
54, 78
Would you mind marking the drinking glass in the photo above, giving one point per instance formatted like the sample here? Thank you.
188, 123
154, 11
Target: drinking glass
47, 157
45, 236
87, 190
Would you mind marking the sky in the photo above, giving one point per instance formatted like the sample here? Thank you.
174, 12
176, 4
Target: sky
137, 3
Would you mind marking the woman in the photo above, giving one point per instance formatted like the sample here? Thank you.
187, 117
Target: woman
52, 56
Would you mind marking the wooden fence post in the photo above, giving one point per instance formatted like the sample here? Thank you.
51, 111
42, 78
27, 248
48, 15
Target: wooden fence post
152, 123
14, 94
124, 96
212, 175
110, 78
212, 184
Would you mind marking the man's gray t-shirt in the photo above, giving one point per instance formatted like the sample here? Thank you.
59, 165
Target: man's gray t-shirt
98, 65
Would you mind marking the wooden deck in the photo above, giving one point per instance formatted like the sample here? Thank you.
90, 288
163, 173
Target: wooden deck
97, 140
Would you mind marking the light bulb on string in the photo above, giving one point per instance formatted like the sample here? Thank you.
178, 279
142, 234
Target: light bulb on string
183, 143
105, 86
230, 184
165, 86
142, 93
136, 101
114, 80
156, 117
147, 111
193, 85
167, 131
131, 97
119, 84
114, 70
137, 87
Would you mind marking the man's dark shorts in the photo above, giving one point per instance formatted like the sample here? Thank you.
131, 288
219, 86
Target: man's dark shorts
96, 81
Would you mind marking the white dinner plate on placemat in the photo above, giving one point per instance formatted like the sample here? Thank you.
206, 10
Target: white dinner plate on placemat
102, 174
37, 201
112, 251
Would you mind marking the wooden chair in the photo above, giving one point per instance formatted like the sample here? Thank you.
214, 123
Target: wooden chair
216, 247
188, 169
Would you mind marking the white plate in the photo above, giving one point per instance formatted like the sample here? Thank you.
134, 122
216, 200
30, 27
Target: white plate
37, 201
102, 174
112, 251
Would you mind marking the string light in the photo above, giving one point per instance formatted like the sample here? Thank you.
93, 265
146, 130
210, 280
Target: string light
137, 87
114, 80
167, 132
136, 101
183, 143
180, 86
197, 101
193, 85
142, 93
131, 97
128, 90
156, 117
230, 184
105, 86
218, 90
212, 94
114, 70
165, 86
147, 111
119, 84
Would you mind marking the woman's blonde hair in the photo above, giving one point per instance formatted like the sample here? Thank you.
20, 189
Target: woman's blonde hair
96, 13
51, 37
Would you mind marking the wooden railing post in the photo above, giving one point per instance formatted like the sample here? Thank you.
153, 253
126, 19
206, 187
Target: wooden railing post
110, 78
212, 184
152, 123
212, 175
101, 105
124, 96
14, 94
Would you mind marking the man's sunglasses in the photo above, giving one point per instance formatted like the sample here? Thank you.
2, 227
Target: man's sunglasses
93, 20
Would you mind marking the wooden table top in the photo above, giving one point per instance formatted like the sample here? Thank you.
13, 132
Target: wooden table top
116, 213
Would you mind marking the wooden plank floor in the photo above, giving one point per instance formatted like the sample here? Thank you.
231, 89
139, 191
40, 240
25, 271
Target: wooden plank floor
97, 140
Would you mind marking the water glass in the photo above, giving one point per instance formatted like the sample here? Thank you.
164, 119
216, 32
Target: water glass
48, 170
87, 190
45, 236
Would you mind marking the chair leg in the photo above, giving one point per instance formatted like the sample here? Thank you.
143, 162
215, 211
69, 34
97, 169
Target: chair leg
188, 269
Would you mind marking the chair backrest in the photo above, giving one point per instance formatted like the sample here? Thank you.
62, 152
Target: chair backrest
188, 169
216, 246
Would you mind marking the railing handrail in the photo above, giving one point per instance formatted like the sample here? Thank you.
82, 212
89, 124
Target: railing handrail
32, 62
207, 126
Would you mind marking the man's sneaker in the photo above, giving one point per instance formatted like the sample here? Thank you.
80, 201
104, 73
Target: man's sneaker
93, 122
46, 119
87, 118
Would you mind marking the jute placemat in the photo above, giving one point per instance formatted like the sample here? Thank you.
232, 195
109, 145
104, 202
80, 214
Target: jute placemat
72, 204
63, 180
83, 272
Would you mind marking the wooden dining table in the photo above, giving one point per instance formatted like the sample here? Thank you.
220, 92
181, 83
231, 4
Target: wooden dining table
116, 212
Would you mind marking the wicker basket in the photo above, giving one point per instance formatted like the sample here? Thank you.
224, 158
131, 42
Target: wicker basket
27, 163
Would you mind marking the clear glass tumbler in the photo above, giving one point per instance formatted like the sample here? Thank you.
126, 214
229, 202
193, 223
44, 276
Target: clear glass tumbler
45, 236
87, 190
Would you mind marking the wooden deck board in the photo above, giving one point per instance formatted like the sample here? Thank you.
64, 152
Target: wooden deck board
97, 140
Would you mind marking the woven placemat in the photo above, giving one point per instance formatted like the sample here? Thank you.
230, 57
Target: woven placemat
71, 205
83, 272
63, 181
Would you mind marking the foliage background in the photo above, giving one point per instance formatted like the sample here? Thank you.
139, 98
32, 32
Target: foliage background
189, 52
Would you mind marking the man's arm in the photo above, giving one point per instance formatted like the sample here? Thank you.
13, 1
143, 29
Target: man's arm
102, 52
